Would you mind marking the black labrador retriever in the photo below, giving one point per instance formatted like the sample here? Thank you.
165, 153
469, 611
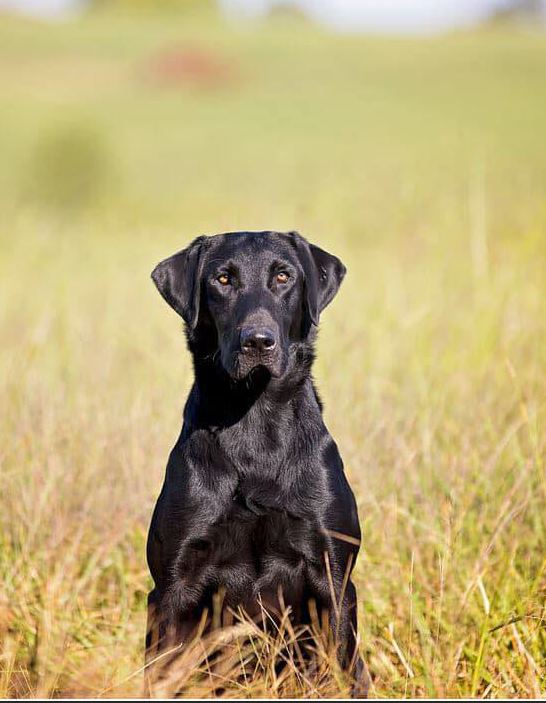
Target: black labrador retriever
255, 501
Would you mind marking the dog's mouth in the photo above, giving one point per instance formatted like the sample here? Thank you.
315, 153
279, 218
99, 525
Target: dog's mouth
239, 365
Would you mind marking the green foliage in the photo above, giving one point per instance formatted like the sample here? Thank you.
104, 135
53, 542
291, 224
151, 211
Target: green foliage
69, 169
156, 6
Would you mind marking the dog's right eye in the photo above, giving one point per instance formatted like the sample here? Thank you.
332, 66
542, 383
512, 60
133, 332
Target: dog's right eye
223, 279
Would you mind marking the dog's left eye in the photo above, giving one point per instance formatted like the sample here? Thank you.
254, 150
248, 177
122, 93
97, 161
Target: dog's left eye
282, 277
223, 279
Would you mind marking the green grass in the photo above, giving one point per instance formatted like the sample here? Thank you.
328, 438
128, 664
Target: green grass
422, 163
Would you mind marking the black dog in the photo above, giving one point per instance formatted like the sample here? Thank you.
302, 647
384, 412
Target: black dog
255, 502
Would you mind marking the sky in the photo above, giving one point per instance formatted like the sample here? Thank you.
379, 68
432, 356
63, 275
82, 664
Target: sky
404, 16
41, 8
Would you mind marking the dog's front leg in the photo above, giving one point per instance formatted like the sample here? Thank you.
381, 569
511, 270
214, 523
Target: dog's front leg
165, 642
159, 639
347, 641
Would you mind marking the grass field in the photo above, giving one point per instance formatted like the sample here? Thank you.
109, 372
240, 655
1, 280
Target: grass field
422, 163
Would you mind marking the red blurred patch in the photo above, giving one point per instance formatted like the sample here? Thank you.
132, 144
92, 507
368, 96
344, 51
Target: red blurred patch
183, 66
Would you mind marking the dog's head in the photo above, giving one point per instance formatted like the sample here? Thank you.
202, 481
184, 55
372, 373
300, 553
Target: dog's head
252, 295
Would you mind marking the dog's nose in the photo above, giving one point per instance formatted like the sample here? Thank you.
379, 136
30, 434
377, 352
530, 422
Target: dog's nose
257, 339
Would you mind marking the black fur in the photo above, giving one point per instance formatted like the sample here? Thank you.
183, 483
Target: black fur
255, 498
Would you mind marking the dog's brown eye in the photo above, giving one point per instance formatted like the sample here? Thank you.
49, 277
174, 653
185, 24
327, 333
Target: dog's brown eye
223, 279
282, 277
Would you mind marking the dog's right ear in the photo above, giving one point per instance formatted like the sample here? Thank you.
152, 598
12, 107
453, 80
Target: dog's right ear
178, 279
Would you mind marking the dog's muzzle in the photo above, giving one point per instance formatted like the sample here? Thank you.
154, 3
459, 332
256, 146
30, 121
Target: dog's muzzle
256, 346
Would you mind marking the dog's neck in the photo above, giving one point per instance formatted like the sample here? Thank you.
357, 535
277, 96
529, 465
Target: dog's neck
219, 401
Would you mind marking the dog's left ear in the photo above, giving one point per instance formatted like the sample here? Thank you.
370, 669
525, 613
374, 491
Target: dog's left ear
178, 279
323, 273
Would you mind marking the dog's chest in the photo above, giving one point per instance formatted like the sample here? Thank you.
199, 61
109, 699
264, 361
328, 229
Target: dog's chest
260, 544
266, 523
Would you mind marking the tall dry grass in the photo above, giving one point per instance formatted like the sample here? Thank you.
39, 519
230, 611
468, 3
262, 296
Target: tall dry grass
422, 164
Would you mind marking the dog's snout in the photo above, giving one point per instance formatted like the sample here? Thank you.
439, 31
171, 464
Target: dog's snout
257, 339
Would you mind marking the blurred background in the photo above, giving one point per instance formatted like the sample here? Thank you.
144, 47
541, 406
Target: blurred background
407, 137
